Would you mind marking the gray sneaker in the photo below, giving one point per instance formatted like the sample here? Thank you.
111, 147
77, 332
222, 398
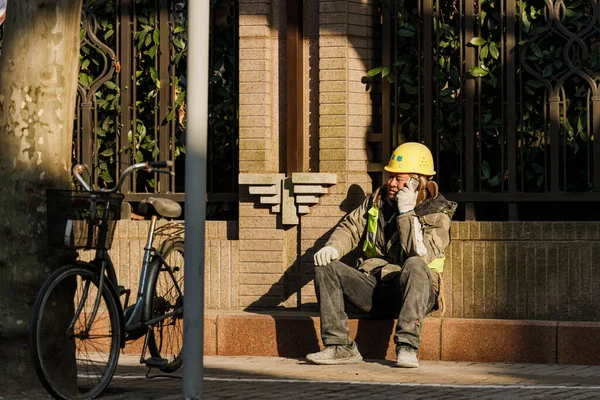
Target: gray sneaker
406, 356
336, 354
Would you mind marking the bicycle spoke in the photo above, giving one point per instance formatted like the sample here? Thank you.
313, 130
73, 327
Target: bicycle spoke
166, 339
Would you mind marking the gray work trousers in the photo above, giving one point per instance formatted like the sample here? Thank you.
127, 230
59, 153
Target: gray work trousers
407, 295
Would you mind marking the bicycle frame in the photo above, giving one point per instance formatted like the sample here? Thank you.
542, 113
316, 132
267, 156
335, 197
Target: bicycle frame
141, 315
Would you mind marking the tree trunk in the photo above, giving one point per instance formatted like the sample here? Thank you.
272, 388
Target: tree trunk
39, 64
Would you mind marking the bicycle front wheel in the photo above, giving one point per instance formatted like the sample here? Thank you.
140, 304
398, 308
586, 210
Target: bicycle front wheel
74, 344
166, 336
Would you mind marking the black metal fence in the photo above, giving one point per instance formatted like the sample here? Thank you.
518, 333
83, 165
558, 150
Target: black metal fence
131, 99
506, 93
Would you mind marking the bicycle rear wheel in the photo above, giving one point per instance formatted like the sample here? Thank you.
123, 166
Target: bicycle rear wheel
166, 337
71, 361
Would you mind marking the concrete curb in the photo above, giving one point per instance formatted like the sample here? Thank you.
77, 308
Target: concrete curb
294, 334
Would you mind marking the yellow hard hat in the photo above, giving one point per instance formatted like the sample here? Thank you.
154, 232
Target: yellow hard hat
411, 158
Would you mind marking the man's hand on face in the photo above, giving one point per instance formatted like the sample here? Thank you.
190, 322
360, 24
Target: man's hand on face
325, 256
407, 196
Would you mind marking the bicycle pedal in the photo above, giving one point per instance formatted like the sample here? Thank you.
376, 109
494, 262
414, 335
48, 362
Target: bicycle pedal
156, 362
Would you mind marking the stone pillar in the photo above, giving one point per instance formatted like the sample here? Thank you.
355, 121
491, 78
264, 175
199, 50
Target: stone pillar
348, 48
261, 239
256, 85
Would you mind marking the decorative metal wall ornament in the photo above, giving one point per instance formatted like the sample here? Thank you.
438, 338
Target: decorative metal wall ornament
106, 66
575, 62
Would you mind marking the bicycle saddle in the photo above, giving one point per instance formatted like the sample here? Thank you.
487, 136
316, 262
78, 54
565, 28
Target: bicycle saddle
163, 207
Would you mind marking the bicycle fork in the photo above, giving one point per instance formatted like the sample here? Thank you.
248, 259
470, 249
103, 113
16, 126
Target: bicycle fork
85, 333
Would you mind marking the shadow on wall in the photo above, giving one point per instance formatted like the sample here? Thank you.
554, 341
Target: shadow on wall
301, 272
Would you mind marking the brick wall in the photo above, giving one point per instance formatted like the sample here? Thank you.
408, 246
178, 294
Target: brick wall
523, 270
494, 270
221, 260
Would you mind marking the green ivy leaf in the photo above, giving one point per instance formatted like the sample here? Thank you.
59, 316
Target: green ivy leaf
494, 50
374, 71
485, 170
385, 71
525, 21
170, 116
478, 72
496, 180
484, 52
139, 157
152, 52
477, 41
537, 51
547, 71
105, 175
405, 32
156, 36
108, 152
153, 74
584, 136
141, 130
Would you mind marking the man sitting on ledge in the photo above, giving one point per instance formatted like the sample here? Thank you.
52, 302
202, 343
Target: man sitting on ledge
404, 228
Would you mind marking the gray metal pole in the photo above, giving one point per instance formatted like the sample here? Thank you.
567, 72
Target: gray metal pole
195, 197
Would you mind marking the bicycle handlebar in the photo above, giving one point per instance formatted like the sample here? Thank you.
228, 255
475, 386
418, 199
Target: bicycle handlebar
160, 164
149, 166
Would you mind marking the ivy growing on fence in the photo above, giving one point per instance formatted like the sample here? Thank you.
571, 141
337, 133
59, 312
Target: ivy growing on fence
544, 56
143, 137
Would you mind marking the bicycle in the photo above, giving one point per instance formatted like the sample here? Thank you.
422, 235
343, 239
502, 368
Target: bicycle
79, 325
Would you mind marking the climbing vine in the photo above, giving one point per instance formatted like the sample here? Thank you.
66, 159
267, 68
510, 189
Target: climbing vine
542, 57
142, 138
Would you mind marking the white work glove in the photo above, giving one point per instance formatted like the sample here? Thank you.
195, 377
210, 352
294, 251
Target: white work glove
325, 256
407, 196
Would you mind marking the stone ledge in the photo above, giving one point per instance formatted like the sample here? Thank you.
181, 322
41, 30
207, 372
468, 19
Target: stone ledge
294, 334
499, 341
578, 343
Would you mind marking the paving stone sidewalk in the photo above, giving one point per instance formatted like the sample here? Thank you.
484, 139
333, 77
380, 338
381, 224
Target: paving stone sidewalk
286, 378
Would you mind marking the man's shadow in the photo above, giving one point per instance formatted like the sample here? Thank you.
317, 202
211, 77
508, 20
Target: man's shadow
372, 334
